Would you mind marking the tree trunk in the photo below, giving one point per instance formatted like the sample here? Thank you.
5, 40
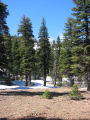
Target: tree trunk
55, 77
26, 80
8, 80
44, 81
55, 81
44, 72
29, 77
88, 82
35, 76
55, 72
44, 77
60, 80
71, 82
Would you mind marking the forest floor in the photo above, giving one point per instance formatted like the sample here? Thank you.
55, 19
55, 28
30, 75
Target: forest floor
26, 104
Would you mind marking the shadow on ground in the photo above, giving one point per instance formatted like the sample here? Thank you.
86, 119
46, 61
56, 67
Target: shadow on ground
26, 93
41, 118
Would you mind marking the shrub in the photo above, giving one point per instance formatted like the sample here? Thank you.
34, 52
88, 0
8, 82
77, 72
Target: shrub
21, 78
46, 94
75, 94
59, 84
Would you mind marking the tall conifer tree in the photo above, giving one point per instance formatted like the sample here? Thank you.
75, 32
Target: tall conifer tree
44, 50
81, 33
56, 62
27, 62
66, 54
3, 30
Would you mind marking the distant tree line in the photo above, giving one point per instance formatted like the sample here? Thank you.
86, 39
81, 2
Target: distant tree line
69, 57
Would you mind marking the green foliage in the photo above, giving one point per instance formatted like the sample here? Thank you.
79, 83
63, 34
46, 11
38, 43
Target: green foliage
44, 50
27, 42
21, 78
75, 52
63, 84
59, 84
3, 30
75, 94
8, 48
66, 54
15, 55
46, 94
56, 50
81, 38
3, 15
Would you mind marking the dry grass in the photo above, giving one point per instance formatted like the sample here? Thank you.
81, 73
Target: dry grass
27, 104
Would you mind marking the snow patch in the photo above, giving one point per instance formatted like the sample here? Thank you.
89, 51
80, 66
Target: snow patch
17, 84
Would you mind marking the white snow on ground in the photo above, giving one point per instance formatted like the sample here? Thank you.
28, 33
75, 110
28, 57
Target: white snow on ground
38, 84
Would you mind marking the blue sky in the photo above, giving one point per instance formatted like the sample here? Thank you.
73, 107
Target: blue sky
55, 13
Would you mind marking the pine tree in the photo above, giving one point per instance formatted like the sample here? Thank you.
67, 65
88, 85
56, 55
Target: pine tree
27, 62
56, 62
3, 30
53, 61
58, 52
15, 55
44, 50
66, 54
81, 33
8, 51
53, 45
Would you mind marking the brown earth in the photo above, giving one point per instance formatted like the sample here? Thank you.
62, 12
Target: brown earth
28, 105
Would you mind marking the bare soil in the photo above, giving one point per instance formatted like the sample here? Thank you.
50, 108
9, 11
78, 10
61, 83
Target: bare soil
28, 105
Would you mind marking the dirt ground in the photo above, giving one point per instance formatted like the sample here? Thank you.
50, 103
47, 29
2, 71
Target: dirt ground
28, 105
